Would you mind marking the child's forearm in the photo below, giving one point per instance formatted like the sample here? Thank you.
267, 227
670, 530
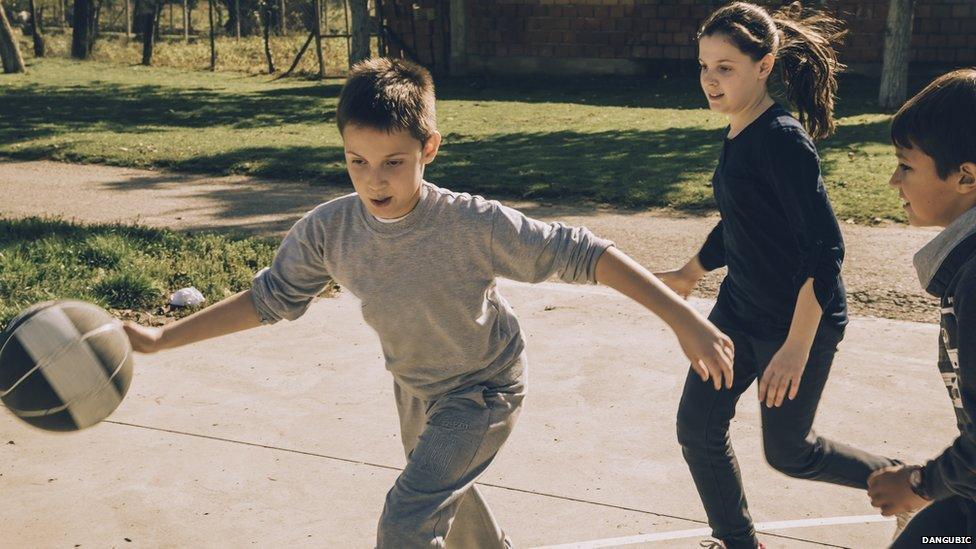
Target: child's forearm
618, 271
806, 318
231, 315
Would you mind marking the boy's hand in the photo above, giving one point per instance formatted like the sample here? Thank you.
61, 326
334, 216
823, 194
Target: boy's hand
782, 375
711, 352
891, 491
143, 339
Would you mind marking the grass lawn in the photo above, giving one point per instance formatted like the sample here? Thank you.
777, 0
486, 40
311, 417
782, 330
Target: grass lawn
126, 269
632, 142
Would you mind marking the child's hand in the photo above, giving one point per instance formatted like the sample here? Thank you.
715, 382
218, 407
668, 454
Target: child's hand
143, 339
782, 375
711, 352
679, 282
891, 491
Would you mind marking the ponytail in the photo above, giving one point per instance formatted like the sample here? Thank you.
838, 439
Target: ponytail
808, 66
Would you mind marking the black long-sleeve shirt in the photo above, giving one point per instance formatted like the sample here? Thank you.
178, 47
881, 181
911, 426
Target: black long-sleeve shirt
777, 229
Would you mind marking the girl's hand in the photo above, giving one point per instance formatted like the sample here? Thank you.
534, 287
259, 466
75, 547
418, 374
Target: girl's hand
143, 339
679, 282
710, 351
782, 375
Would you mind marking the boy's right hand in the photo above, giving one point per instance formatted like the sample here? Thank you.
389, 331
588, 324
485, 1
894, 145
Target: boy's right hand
710, 351
143, 339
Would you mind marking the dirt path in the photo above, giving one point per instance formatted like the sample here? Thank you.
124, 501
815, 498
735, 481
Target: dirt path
878, 269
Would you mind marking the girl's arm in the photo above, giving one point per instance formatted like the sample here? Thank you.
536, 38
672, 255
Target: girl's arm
709, 350
782, 376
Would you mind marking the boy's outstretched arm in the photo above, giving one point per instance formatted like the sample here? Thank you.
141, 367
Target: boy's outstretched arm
231, 315
710, 351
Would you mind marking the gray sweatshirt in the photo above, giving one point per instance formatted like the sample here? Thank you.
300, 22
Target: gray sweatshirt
427, 282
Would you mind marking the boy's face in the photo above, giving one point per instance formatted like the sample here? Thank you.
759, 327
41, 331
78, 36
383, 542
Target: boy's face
731, 80
929, 200
387, 168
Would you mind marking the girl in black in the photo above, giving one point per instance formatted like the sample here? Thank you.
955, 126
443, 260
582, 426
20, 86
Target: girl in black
782, 301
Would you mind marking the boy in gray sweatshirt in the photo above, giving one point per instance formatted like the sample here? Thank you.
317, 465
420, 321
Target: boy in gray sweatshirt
423, 260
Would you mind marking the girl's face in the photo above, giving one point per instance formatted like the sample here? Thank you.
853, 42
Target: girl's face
731, 80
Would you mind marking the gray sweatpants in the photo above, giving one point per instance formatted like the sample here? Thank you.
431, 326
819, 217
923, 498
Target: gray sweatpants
449, 442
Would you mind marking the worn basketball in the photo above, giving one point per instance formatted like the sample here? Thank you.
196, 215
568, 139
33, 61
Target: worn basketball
64, 365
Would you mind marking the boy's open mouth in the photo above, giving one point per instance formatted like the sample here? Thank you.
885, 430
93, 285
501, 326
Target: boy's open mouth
715, 95
380, 202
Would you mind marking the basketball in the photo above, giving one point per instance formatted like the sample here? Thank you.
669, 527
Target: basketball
64, 365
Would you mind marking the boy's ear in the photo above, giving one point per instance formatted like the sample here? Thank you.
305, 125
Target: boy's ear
431, 146
967, 178
766, 66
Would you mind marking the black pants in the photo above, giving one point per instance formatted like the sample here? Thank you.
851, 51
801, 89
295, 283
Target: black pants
953, 518
789, 442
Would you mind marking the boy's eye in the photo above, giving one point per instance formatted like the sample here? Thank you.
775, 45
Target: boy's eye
725, 69
394, 163
358, 161
903, 167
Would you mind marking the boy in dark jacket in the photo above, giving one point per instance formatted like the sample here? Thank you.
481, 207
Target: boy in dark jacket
934, 135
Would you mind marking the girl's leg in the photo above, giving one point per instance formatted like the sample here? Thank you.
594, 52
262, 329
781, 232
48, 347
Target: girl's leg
703, 432
449, 443
790, 443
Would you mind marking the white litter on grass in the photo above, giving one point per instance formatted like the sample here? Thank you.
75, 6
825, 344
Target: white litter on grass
187, 297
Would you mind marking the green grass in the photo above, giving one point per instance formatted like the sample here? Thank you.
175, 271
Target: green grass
632, 142
123, 268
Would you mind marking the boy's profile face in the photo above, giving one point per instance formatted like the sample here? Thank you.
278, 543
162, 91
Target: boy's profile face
731, 80
929, 200
387, 168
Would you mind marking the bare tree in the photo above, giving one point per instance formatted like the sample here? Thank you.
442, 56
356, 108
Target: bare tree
267, 9
36, 31
9, 49
83, 28
894, 68
150, 26
213, 41
359, 47
318, 36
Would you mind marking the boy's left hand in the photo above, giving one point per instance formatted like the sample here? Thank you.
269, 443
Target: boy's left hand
891, 491
782, 375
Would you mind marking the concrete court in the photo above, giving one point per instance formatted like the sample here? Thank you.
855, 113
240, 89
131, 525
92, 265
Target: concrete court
287, 436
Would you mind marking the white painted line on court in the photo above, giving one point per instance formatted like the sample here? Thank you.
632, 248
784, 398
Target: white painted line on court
705, 532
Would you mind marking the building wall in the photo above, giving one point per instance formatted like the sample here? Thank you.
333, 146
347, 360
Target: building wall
526, 33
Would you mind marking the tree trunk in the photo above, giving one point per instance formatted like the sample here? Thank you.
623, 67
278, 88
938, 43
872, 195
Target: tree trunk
459, 36
359, 48
36, 30
894, 68
266, 10
150, 22
318, 37
213, 43
128, 20
282, 26
237, 19
83, 31
186, 22
9, 49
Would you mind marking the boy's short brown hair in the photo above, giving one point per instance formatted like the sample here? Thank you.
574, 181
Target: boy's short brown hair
389, 95
941, 121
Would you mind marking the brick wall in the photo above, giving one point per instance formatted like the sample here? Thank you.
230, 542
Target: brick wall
944, 31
